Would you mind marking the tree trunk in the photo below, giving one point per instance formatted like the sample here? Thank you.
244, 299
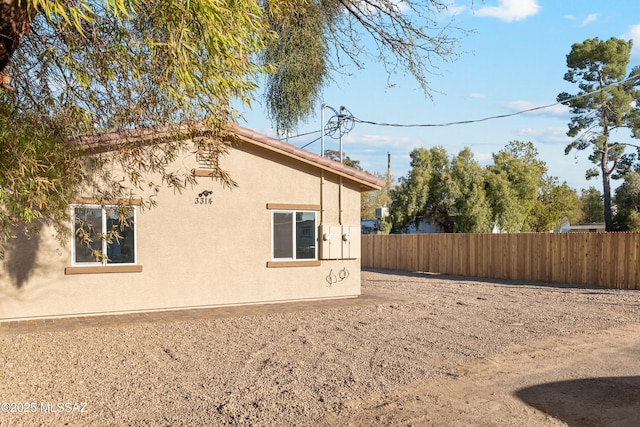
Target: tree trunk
14, 23
606, 191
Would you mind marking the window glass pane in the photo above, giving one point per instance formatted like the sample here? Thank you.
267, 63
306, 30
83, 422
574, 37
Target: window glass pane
282, 235
120, 236
305, 235
87, 225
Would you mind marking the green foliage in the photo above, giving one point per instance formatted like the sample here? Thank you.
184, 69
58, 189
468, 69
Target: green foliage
606, 101
346, 160
515, 193
318, 38
513, 183
627, 202
555, 203
39, 172
472, 210
443, 192
592, 206
409, 198
300, 55
88, 66
371, 200
139, 64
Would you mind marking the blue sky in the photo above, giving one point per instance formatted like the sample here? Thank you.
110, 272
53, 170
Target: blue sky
514, 60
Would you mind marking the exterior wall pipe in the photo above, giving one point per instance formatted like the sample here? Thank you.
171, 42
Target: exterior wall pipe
322, 129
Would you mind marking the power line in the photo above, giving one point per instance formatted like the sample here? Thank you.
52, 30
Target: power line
326, 133
341, 124
309, 143
463, 122
302, 134
500, 116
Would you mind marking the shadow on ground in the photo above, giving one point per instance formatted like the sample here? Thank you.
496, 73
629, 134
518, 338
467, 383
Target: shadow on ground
603, 401
505, 282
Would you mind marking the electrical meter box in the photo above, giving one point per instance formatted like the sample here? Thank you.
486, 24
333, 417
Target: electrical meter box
350, 241
339, 242
330, 237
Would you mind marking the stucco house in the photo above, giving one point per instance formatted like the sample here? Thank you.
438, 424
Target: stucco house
290, 231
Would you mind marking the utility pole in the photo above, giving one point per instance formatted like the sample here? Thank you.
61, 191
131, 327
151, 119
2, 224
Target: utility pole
388, 172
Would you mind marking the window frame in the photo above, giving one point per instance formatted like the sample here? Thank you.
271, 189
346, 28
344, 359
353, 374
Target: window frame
294, 258
103, 264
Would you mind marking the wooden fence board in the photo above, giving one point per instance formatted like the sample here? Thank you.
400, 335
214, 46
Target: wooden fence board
593, 259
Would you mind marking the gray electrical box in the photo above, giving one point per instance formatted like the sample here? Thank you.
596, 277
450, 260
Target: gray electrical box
382, 212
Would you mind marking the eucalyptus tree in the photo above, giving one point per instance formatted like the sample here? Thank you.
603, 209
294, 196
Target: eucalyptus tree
555, 203
409, 197
472, 210
513, 183
608, 100
443, 191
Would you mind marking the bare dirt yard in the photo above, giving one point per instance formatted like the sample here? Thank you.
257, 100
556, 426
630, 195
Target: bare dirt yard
427, 351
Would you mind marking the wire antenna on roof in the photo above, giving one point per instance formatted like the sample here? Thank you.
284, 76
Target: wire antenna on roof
341, 123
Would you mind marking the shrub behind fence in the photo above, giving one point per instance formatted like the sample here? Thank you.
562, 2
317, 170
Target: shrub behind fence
610, 260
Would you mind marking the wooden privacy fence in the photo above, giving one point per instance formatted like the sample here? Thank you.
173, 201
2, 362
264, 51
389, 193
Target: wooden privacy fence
610, 260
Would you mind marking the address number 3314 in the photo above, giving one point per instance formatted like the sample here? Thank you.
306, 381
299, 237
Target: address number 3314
204, 198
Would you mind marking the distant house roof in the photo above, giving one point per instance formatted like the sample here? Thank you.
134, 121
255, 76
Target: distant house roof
596, 226
109, 141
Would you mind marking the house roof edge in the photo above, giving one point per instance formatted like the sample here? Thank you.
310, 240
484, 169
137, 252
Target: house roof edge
109, 141
259, 139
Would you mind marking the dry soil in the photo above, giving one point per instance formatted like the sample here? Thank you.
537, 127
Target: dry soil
433, 350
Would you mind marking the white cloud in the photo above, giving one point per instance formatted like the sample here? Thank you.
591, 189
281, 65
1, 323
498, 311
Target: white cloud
633, 33
511, 10
546, 135
483, 158
379, 141
590, 18
554, 110
477, 95
400, 5
453, 9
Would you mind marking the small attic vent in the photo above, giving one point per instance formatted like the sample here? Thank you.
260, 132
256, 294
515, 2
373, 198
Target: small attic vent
207, 154
205, 158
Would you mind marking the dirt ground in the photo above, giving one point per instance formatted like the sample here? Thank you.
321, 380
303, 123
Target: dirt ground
582, 380
431, 351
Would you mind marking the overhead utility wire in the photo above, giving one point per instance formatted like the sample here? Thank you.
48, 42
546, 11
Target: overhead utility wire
462, 122
501, 116
309, 143
303, 134
327, 133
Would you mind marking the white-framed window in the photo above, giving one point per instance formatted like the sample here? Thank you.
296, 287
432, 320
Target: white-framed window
294, 235
103, 235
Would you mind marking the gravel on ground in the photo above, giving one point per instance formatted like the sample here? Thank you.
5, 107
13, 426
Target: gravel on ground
399, 363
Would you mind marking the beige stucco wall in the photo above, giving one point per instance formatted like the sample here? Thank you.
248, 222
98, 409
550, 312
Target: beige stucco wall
195, 255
